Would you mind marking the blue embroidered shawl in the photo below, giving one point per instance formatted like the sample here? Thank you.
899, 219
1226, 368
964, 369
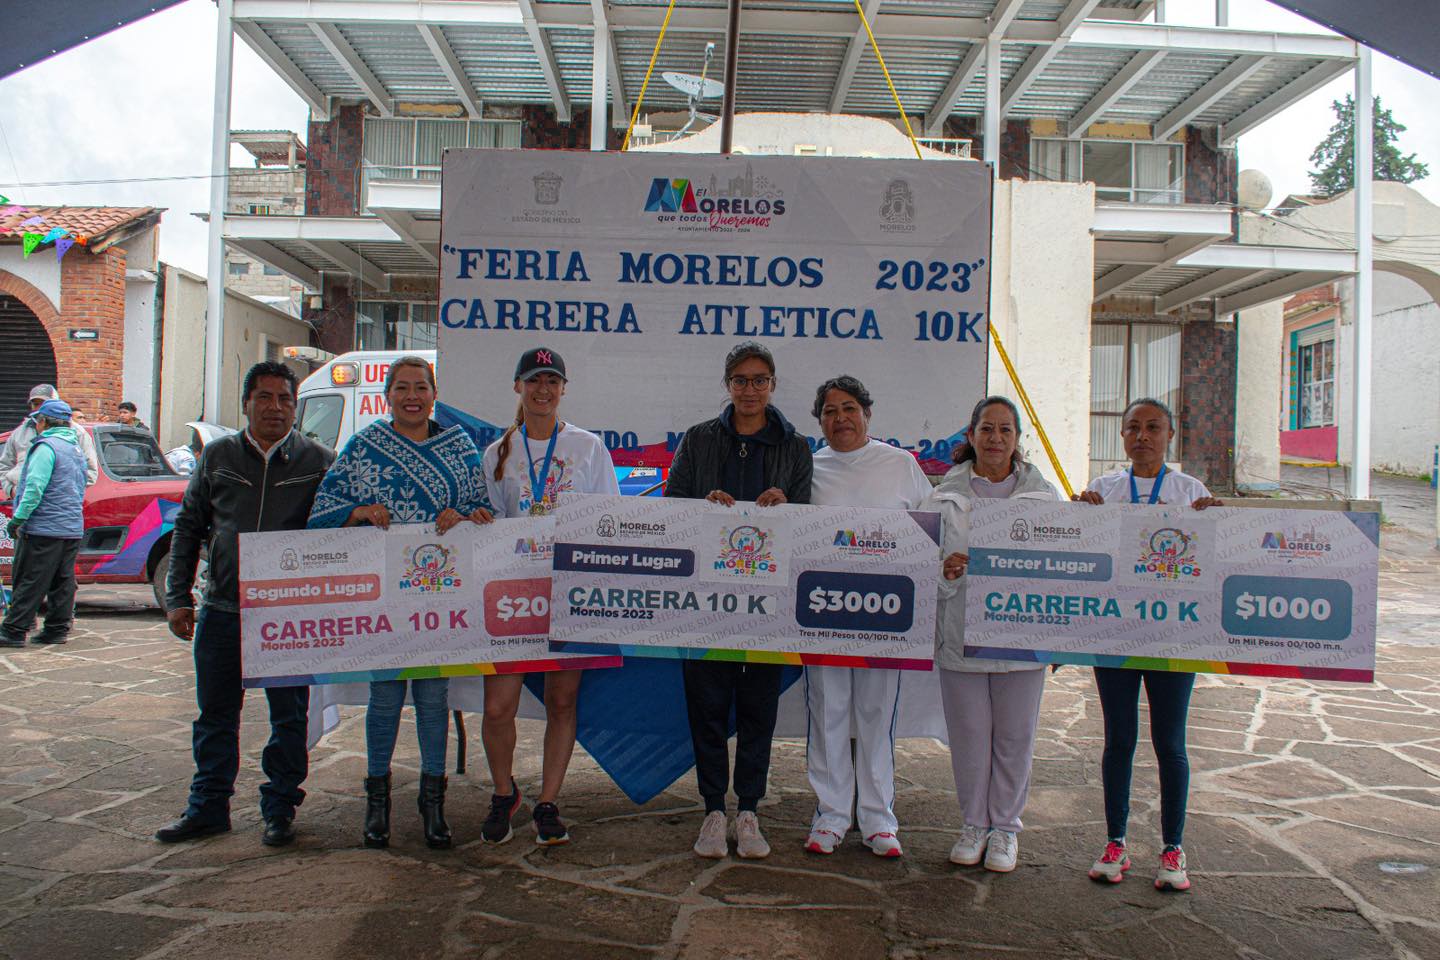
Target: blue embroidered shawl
414, 481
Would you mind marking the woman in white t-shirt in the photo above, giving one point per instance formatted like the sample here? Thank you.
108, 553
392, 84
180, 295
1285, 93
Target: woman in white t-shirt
1146, 427
854, 470
992, 707
537, 460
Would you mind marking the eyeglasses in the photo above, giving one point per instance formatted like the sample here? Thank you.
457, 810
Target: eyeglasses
740, 383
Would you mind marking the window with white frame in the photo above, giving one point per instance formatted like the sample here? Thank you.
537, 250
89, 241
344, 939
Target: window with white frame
395, 325
410, 148
1120, 169
1129, 361
1315, 367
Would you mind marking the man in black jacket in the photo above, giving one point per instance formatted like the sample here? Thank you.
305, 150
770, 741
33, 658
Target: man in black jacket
263, 478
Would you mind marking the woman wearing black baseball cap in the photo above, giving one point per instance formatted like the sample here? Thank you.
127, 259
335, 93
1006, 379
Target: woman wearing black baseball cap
550, 459
749, 452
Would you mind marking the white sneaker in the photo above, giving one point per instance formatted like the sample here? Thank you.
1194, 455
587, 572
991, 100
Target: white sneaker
749, 842
823, 841
712, 844
970, 848
884, 845
1001, 849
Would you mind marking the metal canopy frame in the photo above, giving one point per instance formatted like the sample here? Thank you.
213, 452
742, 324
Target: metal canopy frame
810, 55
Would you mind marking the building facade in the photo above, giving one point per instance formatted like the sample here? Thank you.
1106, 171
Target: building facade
1137, 120
85, 320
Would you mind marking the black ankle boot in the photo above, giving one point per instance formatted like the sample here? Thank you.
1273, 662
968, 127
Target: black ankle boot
377, 811
432, 812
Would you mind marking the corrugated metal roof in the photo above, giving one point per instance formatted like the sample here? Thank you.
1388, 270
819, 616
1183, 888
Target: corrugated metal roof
793, 71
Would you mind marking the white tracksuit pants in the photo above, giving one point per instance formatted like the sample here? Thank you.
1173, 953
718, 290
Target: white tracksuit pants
843, 701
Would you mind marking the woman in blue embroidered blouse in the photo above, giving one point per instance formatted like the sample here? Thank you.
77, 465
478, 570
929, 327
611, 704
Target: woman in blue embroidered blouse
405, 470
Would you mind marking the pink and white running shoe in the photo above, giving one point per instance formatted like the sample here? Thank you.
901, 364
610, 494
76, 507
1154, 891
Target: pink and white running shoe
1112, 864
1172, 875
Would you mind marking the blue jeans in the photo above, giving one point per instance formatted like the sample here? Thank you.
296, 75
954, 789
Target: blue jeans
1169, 697
215, 734
432, 723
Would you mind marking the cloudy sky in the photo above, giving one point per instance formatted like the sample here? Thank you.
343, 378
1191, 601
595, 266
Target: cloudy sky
133, 108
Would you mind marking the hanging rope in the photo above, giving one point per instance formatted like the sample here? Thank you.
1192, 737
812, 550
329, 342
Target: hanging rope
648, 70
1030, 412
886, 70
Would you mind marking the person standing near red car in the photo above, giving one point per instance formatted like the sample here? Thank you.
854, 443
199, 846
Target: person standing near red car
47, 525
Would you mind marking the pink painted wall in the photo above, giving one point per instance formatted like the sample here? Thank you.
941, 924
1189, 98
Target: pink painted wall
1316, 443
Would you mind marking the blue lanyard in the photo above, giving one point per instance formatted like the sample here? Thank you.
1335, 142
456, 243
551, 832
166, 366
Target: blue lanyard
537, 484
1154, 491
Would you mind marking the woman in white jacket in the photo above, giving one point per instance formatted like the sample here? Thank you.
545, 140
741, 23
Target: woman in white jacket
991, 706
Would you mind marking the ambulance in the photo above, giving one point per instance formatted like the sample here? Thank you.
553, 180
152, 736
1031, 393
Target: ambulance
346, 394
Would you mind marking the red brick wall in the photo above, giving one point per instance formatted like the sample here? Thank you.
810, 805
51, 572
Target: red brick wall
1211, 175
1208, 372
1325, 293
335, 321
334, 149
540, 130
92, 295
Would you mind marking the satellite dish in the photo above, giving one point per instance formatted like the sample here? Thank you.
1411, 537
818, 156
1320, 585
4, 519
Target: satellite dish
695, 89
701, 88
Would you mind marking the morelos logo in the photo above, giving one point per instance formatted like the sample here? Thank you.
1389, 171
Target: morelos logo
1168, 554
744, 552
866, 543
671, 196
744, 201
608, 527
535, 549
430, 568
1293, 545
1022, 531
289, 560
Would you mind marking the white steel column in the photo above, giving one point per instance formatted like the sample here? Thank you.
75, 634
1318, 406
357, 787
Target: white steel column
599, 86
219, 171
1364, 291
991, 133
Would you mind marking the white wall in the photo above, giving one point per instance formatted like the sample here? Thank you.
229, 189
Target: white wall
41, 270
1042, 281
138, 365
1257, 408
182, 368
249, 324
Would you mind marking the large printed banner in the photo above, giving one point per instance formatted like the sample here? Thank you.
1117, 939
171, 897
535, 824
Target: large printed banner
835, 586
1253, 592
643, 270
334, 606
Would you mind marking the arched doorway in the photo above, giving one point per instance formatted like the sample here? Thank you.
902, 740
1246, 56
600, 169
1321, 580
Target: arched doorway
29, 359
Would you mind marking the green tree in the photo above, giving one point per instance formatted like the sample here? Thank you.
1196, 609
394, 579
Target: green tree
1334, 158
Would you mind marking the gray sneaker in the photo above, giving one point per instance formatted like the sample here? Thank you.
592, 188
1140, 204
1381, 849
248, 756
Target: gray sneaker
712, 844
749, 842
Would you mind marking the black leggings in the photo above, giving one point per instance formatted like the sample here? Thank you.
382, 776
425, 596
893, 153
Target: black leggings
712, 688
1169, 697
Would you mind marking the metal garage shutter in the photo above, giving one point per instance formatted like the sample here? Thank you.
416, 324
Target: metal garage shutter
28, 359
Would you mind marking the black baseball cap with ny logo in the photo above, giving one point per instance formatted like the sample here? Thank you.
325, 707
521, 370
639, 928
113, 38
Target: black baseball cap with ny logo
539, 360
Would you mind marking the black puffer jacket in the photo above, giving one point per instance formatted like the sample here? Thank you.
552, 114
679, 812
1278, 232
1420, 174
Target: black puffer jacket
699, 464
234, 490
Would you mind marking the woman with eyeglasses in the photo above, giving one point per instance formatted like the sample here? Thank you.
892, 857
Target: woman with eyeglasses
748, 453
538, 460
1146, 428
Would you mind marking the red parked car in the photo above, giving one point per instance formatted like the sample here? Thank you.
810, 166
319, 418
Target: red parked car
129, 512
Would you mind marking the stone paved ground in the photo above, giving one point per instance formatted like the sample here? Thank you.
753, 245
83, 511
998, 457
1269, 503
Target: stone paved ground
1314, 833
